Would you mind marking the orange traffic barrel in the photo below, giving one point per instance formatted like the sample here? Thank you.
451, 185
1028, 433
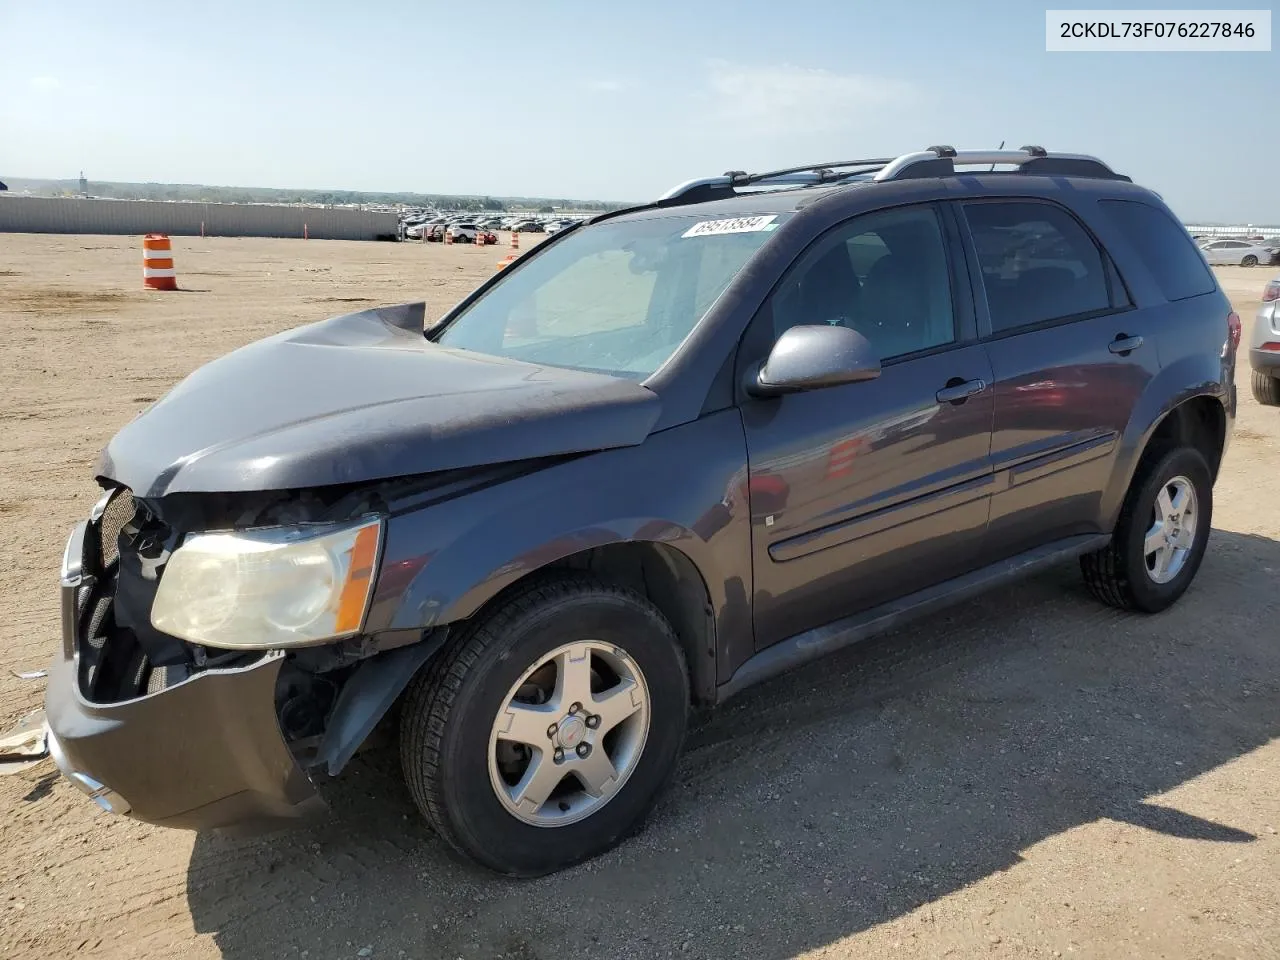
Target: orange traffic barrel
157, 263
515, 240
507, 261
841, 456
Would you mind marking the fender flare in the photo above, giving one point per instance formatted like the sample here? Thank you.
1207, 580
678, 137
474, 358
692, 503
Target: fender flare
1186, 379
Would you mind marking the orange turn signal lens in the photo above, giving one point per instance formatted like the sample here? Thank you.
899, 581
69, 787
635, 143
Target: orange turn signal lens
358, 584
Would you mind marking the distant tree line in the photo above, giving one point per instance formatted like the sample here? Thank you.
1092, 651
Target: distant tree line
200, 193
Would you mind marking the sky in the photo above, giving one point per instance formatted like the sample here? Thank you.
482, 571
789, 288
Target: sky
606, 100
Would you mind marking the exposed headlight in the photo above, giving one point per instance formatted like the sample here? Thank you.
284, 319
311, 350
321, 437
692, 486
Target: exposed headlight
261, 589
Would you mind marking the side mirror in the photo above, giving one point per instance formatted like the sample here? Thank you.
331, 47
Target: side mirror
812, 357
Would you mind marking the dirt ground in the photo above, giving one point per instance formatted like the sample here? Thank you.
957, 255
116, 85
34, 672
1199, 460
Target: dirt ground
1026, 775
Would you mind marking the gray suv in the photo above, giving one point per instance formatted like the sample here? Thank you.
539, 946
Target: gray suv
665, 455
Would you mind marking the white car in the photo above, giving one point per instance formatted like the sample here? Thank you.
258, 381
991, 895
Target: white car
1241, 252
462, 232
1264, 348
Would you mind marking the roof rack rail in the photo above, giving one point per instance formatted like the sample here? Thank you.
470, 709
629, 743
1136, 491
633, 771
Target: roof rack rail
1031, 160
937, 161
810, 174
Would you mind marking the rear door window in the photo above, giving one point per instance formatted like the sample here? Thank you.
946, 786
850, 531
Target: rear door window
1038, 264
1164, 246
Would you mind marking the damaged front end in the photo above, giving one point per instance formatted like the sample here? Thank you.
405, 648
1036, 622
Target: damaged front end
195, 735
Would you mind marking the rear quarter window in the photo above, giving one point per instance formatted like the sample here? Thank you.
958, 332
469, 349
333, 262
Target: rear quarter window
1165, 248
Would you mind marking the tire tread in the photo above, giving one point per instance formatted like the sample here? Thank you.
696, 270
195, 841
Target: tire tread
1266, 389
1105, 571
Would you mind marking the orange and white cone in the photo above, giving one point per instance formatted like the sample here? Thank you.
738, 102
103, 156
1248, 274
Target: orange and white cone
515, 240
842, 455
157, 263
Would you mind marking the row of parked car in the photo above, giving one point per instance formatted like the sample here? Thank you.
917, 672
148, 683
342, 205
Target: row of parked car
467, 228
1248, 252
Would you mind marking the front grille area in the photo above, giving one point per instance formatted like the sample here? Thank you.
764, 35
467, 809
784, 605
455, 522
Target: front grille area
118, 512
113, 666
118, 647
121, 656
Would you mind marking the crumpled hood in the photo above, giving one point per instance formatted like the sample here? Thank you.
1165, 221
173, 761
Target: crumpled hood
365, 397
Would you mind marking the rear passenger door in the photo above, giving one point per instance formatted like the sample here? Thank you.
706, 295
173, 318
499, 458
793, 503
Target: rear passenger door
1070, 358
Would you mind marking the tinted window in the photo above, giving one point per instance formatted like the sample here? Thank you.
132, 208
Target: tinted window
884, 274
1164, 246
1037, 263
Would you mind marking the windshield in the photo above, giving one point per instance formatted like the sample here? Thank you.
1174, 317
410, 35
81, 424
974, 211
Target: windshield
614, 298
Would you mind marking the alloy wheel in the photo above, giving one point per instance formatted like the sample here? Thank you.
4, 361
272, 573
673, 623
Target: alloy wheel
1172, 532
569, 734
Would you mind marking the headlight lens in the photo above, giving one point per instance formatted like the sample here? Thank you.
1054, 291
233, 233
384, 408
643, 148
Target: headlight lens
261, 589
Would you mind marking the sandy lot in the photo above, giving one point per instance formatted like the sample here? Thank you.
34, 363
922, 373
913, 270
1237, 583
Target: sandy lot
1029, 775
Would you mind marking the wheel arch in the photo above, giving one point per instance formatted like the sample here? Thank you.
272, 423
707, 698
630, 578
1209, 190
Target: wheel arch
660, 572
1200, 422
664, 574
1195, 419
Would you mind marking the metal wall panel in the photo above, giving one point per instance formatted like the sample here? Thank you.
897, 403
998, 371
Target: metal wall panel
1246, 231
129, 217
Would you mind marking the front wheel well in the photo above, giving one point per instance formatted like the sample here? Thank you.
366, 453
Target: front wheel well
668, 579
1200, 423
673, 584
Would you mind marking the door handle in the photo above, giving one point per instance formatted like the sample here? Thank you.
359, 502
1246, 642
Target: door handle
957, 391
1124, 345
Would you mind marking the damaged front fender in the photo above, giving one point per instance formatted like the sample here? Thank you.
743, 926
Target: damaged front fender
367, 696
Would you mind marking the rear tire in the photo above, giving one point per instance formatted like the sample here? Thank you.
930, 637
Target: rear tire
1249, 261
456, 760
1120, 574
1266, 389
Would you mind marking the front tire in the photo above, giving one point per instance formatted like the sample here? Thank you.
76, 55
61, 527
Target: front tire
1160, 538
544, 734
1266, 389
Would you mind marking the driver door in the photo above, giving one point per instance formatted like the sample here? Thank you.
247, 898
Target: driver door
866, 492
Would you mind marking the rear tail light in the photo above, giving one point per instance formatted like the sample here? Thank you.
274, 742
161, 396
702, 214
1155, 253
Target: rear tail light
1272, 346
1272, 292
1233, 329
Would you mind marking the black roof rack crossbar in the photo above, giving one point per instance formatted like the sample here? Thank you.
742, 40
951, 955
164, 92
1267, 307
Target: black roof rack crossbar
823, 171
938, 161
1031, 160
809, 174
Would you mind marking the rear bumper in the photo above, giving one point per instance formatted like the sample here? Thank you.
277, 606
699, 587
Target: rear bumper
204, 752
1267, 361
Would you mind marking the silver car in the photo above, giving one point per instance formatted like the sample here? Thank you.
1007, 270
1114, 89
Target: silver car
1264, 348
1245, 253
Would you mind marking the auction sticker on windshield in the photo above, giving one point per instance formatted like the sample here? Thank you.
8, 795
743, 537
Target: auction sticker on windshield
710, 228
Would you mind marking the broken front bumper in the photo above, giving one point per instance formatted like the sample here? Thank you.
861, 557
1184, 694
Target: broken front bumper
204, 752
